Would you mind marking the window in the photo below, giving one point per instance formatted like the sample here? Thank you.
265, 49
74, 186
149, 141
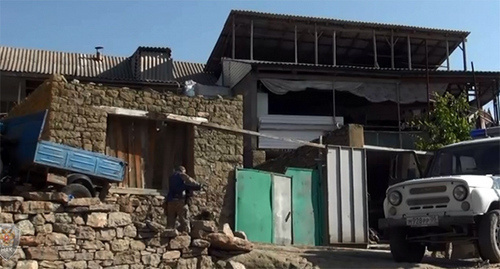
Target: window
472, 159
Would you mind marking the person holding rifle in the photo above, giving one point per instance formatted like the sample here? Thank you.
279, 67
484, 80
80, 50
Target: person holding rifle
181, 185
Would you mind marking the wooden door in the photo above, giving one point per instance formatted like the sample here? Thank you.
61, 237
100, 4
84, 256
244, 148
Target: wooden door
151, 148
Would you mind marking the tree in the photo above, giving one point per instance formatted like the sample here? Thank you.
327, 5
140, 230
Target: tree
448, 122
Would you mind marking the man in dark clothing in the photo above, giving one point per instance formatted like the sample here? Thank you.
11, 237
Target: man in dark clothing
179, 185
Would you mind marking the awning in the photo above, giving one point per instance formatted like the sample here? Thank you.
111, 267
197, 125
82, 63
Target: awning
373, 91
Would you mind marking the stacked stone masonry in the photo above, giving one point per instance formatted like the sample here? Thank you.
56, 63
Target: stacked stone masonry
74, 120
86, 233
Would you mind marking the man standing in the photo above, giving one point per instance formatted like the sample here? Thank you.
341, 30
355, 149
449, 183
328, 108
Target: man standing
179, 185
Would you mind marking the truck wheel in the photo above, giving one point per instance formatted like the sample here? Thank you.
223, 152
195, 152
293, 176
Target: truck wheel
76, 190
489, 236
402, 250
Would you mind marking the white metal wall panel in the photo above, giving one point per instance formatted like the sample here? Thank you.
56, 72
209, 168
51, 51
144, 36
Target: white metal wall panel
334, 215
358, 192
347, 202
282, 208
234, 72
305, 128
262, 104
345, 195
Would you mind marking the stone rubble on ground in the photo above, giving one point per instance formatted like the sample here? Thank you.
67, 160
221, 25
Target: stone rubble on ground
55, 236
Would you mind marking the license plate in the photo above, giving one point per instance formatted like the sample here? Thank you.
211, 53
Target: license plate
422, 221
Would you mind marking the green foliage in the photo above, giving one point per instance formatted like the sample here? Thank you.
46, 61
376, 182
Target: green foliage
446, 123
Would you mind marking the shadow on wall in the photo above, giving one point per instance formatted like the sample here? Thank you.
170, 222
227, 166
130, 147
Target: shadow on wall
228, 206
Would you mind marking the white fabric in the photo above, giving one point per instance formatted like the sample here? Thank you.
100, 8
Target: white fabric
373, 92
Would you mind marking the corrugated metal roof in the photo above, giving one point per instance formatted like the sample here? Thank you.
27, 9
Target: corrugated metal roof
39, 61
338, 21
67, 63
269, 63
279, 27
184, 71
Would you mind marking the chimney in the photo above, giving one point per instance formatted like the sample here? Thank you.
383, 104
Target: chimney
98, 55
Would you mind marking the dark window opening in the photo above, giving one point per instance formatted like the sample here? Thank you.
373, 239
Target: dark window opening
310, 102
31, 86
151, 149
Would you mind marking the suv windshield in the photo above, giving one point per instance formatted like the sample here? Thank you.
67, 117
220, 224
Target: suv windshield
472, 159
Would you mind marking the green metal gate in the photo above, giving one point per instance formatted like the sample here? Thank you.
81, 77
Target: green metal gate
280, 209
253, 213
307, 209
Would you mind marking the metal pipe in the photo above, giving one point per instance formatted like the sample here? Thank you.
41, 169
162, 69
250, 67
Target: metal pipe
334, 113
464, 54
409, 51
251, 40
392, 49
315, 44
476, 90
295, 40
497, 98
334, 45
427, 76
375, 62
399, 115
234, 40
448, 54
19, 90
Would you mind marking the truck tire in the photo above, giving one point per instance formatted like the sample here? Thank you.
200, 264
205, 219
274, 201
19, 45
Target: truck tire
489, 236
76, 190
402, 250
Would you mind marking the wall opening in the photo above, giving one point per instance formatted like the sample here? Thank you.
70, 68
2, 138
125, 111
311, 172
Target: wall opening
151, 148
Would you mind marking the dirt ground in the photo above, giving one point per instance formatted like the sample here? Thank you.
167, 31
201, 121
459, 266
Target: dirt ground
335, 257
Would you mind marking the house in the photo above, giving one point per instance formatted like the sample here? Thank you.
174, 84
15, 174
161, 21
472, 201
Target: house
23, 70
151, 131
299, 77
304, 76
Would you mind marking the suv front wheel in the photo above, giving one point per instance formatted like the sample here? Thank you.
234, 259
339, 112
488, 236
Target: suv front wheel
489, 236
402, 250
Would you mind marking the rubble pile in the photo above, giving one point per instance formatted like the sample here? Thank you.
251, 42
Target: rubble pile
85, 233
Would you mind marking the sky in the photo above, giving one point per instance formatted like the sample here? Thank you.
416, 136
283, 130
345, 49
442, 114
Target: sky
191, 28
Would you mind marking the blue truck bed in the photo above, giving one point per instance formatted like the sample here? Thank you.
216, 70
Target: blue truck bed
29, 150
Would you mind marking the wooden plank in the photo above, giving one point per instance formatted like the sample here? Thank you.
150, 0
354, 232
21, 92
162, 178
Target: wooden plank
247, 132
110, 139
150, 143
159, 154
204, 122
142, 113
167, 161
120, 148
140, 152
130, 152
137, 191
57, 179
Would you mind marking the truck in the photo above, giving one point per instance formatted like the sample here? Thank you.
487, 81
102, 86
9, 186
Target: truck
26, 159
456, 202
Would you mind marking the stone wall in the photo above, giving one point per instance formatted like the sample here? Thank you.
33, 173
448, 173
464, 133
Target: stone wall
74, 120
56, 232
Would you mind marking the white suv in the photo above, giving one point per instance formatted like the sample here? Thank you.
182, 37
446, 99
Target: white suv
457, 202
